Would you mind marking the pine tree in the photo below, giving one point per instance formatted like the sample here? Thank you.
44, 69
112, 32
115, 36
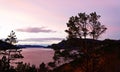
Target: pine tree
12, 39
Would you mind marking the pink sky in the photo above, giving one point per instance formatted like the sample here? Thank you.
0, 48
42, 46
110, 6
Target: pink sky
49, 17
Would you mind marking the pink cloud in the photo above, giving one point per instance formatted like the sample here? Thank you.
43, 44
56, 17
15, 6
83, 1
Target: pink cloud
35, 30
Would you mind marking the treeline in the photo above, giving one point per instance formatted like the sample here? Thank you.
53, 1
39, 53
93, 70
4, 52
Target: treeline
21, 67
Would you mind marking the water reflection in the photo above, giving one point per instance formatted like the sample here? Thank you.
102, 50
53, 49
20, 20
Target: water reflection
28, 55
25, 60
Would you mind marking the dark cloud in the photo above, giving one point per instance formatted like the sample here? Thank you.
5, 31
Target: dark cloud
35, 30
42, 39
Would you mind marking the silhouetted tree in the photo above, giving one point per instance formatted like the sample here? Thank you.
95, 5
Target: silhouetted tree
96, 28
11, 38
85, 25
25, 68
82, 23
73, 30
4, 64
42, 68
77, 26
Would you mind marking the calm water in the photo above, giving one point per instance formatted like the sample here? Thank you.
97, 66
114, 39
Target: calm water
35, 56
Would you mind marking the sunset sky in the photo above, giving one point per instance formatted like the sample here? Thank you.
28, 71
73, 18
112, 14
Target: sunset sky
44, 21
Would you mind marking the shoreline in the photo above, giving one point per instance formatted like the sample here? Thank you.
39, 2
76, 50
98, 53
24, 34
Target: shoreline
34, 56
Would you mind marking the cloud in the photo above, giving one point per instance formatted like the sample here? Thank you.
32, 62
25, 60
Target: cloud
42, 39
36, 30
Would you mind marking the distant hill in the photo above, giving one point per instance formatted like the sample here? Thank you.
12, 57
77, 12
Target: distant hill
88, 43
31, 46
75, 43
5, 46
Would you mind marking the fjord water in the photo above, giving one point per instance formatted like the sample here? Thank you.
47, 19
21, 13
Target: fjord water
36, 56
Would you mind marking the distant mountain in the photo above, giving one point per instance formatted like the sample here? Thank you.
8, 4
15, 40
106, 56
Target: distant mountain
31, 46
84, 43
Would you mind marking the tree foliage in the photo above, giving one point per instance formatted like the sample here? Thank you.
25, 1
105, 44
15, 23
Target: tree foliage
12, 39
85, 25
96, 28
